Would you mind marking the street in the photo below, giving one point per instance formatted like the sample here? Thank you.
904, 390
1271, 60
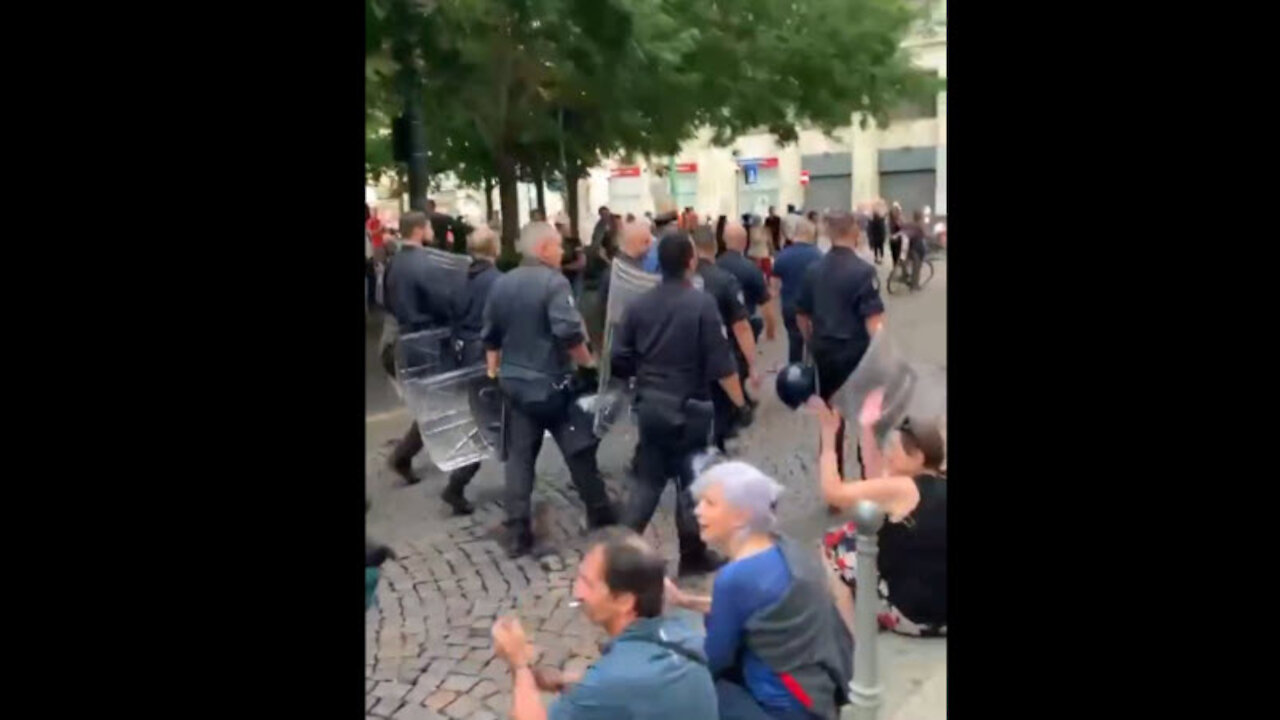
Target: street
428, 651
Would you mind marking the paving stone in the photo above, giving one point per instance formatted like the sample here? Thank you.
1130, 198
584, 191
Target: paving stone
416, 712
483, 689
500, 703
386, 707
439, 699
462, 707
392, 690
459, 683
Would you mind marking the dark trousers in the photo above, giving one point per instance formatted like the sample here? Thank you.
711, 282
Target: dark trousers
833, 369
409, 446
795, 339
877, 249
895, 248
524, 440
914, 262
371, 282
664, 453
463, 475
736, 703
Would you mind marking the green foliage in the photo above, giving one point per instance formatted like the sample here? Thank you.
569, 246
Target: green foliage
561, 84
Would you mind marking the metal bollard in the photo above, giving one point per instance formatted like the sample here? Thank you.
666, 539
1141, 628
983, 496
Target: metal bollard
865, 690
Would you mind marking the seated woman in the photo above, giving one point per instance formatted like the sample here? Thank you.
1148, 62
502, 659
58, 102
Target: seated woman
913, 539
775, 641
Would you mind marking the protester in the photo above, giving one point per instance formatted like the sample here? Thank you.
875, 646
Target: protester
575, 259
877, 231
653, 668
915, 249
912, 490
602, 226
773, 224
789, 268
895, 235
775, 641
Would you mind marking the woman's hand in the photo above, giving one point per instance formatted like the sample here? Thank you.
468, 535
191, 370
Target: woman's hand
674, 596
828, 417
871, 408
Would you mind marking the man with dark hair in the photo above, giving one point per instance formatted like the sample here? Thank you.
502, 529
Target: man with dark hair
673, 343
774, 225
418, 296
654, 668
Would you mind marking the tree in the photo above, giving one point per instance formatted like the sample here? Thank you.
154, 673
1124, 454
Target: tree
554, 86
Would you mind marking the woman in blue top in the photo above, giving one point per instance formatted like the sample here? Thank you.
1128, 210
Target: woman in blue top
735, 513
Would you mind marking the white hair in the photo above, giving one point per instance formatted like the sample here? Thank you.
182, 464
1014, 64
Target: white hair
532, 234
745, 488
803, 228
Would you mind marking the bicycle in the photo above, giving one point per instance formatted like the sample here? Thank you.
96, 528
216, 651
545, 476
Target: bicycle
900, 280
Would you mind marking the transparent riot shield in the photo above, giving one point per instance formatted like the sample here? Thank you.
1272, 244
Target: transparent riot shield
459, 415
910, 389
613, 401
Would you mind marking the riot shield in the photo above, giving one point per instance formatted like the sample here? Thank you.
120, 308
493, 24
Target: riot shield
459, 415
457, 407
613, 400
910, 389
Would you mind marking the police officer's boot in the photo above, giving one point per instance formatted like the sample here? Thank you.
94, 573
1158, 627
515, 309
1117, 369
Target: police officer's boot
401, 460
453, 492
601, 516
699, 561
519, 538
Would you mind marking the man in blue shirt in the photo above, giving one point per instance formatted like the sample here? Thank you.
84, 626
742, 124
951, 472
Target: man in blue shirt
789, 267
654, 667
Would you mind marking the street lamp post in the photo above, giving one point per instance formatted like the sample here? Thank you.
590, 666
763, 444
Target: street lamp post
865, 691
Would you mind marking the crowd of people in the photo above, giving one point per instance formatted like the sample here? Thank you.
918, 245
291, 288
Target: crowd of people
779, 620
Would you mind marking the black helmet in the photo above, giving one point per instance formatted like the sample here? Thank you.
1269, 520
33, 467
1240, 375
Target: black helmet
796, 383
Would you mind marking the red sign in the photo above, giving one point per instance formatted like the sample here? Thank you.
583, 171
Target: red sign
687, 168
631, 171
804, 177
761, 162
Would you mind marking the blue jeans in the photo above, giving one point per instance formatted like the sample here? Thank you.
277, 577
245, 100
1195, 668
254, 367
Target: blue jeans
736, 703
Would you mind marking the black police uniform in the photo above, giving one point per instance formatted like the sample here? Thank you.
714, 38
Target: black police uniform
755, 290
838, 295
530, 317
724, 289
468, 323
672, 342
419, 295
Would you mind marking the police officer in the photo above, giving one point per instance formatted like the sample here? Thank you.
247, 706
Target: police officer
724, 288
755, 289
532, 331
672, 342
632, 248
418, 294
838, 311
468, 323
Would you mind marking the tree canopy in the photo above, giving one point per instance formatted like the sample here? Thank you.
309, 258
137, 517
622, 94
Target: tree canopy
555, 86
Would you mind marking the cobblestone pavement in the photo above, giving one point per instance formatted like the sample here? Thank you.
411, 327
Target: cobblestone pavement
428, 654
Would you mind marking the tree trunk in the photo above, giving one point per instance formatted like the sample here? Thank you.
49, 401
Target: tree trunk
539, 185
508, 202
410, 89
571, 199
488, 200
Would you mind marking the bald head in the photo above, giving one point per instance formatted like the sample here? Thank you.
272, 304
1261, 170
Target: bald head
635, 239
704, 241
843, 228
735, 236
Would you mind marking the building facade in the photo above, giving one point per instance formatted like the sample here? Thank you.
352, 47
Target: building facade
904, 162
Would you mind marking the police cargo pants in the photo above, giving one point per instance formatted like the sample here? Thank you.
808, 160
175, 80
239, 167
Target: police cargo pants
664, 453
525, 430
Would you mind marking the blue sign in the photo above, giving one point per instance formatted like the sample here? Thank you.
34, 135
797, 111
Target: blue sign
750, 174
